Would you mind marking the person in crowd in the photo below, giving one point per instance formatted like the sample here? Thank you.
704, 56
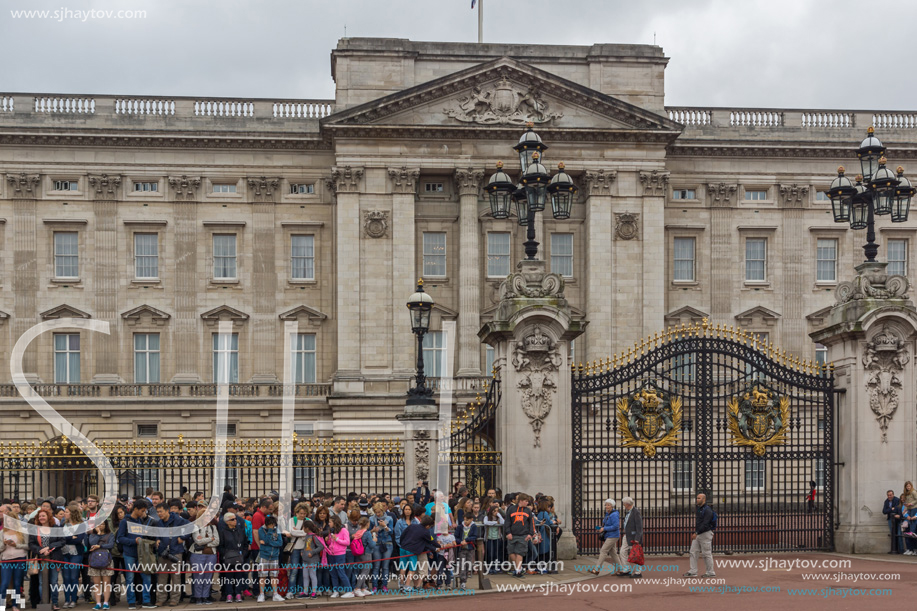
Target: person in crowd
350, 561
130, 541
493, 538
233, 550
114, 521
478, 514
631, 532
362, 546
892, 512
417, 539
313, 547
265, 507
339, 508
299, 537
204, 545
907, 527
14, 549
270, 541
46, 549
702, 539
406, 563
101, 542
908, 495
810, 498
322, 521
169, 554
519, 529
609, 532
72, 551
466, 537
338, 543
421, 493
546, 527
383, 527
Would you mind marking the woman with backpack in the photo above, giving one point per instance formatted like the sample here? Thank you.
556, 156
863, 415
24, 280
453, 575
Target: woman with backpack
204, 544
338, 543
383, 527
101, 562
312, 551
363, 545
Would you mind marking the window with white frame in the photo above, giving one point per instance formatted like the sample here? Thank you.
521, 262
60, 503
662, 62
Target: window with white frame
224, 256
226, 358
683, 260
682, 475
66, 254
755, 259
66, 185
754, 474
146, 358
224, 188
897, 257
299, 188
434, 254
432, 187
562, 254
826, 260
684, 194
146, 255
488, 360
303, 360
146, 186
434, 354
821, 355
756, 195
819, 472
302, 257
66, 358
498, 254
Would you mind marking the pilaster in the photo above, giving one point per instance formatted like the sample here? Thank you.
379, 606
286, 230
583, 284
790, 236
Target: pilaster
468, 183
649, 230
264, 278
404, 247
25, 190
599, 265
105, 191
346, 182
722, 248
186, 335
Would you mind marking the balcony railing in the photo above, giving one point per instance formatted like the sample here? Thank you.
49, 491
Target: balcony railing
457, 384
104, 391
768, 118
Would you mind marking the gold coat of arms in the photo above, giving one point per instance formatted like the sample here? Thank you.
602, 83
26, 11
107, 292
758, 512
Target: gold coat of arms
758, 418
648, 420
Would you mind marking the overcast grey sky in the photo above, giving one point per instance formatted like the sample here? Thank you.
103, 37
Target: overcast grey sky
763, 53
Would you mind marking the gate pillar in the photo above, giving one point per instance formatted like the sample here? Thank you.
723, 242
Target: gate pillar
531, 333
870, 335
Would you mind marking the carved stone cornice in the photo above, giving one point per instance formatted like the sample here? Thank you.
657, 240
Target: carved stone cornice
598, 182
404, 180
230, 142
794, 196
24, 186
346, 179
655, 183
106, 187
184, 188
263, 189
468, 181
721, 194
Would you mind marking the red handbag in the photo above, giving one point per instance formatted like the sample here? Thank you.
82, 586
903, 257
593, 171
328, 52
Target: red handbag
635, 556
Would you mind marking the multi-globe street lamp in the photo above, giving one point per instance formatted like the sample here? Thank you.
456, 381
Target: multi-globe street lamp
877, 192
420, 305
531, 193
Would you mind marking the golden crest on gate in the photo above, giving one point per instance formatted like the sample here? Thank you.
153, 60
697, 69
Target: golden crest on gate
758, 418
649, 419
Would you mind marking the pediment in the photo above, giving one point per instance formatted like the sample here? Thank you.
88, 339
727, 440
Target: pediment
224, 312
64, 311
817, 318
757, 315
685, 314
301, 312
502, 95
136, 314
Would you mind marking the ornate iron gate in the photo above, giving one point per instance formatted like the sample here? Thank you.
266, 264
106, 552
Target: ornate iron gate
704, 409
469, 443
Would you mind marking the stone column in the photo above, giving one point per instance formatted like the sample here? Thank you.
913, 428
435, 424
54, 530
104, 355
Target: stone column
722, 198
531, 333
650, 230
404, 276
264, 279
25, 190
186, 330
797, 269
106, 348
346, 183
599, 265
468, 182
870, 335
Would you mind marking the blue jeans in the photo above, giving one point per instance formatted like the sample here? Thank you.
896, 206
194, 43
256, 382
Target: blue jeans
71, 574
339, 580
381, 555
294, 572
145, 579
11, 576
351, 570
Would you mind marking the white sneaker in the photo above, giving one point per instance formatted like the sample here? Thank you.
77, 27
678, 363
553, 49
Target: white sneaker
336, 594
261, 598
359, 593
347, 595
279, 599
368, 592
289, 596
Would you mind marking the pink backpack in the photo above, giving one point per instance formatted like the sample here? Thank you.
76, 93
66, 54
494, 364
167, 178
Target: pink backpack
356, 543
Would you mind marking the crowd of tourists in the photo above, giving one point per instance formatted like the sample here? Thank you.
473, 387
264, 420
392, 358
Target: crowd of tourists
901, 514
339, 546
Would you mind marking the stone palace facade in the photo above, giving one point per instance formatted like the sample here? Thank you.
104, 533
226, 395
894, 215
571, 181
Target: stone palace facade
167, 216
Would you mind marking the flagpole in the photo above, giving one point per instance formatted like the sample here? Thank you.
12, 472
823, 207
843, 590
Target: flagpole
480, 21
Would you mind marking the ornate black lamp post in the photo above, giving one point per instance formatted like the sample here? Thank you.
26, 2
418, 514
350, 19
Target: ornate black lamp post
877, 192
530, 195
420, 304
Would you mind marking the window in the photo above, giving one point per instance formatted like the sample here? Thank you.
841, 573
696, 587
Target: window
66, 358
66, 255
146, 187
302, 188
434, 254
683, 368
897, 258
224, 188
488, 360
819, 469
434, 354
498, 255
754, 474
821, 354
147, 430
432, 187
683, 475
755, 196
66, 185
304, 480
684, 194
822, 196
146, 255
146, 358
302, 262
562, 254
147, 478
826, 260
303, 360
224, 256
226, 358
231, 477
755, 259
821, 425
303, 429
227, 430
683, 260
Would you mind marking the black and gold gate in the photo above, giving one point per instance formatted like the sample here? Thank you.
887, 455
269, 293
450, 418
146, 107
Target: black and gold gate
468, 444
713, 410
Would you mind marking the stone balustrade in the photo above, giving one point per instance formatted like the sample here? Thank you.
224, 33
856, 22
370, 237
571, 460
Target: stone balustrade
698, 117
117, 391
475, 384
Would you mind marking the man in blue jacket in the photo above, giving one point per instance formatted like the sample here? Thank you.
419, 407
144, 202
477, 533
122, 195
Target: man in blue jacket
610, 529
128, 541
170, 553
702, 539
892, 509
